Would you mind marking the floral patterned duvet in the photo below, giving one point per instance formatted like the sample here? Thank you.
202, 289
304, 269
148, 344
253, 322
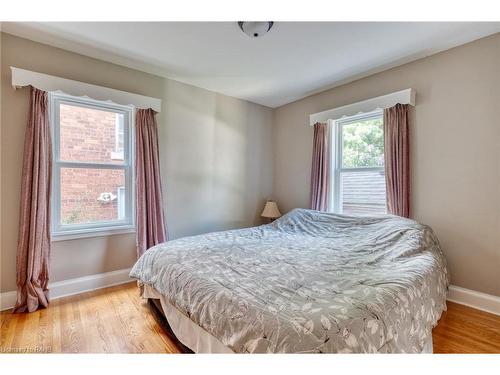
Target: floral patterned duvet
309, 282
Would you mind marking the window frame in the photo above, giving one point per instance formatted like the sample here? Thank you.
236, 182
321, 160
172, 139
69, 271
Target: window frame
61, 231
336, 155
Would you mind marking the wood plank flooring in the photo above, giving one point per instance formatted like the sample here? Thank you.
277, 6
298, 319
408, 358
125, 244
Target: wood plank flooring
111, 320
463, 329
117, 320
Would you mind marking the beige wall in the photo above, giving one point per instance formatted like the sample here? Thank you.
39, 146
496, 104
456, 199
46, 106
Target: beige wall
215, 154
455, 151
218, 161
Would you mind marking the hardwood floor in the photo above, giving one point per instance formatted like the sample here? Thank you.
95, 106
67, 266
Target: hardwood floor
117, 320
463, 329
111, 320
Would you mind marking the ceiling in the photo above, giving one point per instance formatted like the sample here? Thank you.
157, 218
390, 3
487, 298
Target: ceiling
294, 60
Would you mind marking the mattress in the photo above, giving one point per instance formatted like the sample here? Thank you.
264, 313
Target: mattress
309, 282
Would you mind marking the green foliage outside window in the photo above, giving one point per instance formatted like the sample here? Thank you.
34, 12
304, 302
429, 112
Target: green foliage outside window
363, 144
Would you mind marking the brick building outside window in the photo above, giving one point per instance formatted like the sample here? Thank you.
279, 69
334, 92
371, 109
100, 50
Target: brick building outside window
92, 188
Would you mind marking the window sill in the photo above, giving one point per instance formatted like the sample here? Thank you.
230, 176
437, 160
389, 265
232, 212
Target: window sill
78, 234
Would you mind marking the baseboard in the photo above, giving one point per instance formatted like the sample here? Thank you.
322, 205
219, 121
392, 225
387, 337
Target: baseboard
74, 286
477, 300
7, 300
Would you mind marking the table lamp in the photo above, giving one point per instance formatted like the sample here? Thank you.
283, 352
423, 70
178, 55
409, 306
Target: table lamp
271, 211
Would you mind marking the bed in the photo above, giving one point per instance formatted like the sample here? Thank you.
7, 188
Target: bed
310, 282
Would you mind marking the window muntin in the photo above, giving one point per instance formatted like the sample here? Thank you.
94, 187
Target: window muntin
88, 180
358, 175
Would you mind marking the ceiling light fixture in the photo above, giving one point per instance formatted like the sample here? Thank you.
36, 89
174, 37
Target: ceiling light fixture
255, 29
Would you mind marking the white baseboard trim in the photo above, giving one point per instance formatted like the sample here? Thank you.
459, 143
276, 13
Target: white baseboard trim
74, 286
7, 300
477, 300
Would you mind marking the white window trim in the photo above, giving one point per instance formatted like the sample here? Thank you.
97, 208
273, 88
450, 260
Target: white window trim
91, 234
62, 232
336, 157
49, 83
379, 103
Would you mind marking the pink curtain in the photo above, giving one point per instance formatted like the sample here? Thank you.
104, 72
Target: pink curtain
150, 221
397, 159
320, 169
33, 249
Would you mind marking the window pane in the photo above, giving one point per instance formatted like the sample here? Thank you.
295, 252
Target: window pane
362, 192
90, 135
363, 144
91, 195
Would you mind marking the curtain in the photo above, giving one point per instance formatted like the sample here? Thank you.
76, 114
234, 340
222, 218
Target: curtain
397, 159
33, 249
150, 220
320, 169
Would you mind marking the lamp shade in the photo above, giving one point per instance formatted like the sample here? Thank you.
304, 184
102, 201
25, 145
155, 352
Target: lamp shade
271, 210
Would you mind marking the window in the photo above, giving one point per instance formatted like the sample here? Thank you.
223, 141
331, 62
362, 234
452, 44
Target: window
358, 162
93, 172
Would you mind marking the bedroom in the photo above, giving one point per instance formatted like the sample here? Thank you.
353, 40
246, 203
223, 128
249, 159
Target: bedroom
134, 135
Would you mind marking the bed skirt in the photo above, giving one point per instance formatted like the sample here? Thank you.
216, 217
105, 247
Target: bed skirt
196, 338
187, 332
